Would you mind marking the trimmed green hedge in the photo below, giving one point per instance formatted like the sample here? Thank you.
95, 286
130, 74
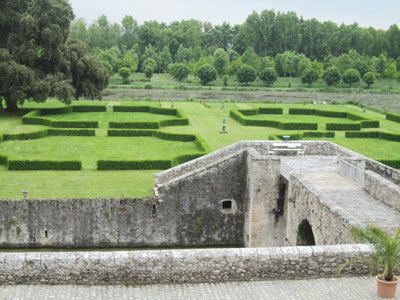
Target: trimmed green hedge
391, 163
343, 126
174, 122
140, 125
390, 136
3, 160
16, 165
179, 137
184, 158
355, 117
89, 108
1, 138
25, 136
131, 108
34, 118
393, 117
74, 124
127, 132
56, 111
238, 116
270, 110
162, 111
133, 165
72, 132
327, 134
331, 114
301, 111
369, 124
249, 112
362, 134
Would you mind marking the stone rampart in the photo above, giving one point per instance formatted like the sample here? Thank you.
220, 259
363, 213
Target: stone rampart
180, 266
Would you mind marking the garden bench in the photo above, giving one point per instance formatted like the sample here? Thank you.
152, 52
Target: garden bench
290, 148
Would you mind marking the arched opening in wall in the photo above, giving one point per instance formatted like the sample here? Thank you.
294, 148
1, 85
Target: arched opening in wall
305, 235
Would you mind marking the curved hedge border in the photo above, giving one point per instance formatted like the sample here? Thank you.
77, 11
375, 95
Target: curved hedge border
393, 117
16, 165
240, 116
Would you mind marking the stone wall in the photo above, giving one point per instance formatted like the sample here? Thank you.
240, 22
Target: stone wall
382, 189
353, 169
330, 225
180, 266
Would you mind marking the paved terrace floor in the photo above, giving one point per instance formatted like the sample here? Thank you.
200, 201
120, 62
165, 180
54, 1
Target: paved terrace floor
357, 288
323, 173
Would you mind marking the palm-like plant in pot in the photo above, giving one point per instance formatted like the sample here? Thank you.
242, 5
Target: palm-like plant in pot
386, 257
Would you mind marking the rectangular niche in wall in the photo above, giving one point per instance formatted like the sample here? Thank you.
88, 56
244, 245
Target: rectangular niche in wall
228, 206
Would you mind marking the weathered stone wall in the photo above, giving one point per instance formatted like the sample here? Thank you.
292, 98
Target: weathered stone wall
180, 266
330, 225
353, 169
262, 225
382, 189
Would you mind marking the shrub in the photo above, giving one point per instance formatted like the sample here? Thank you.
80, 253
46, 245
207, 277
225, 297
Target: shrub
133, 164
44, 165
72, 132
343, 126
238, 116
268, 76
317, 134
74, 124
389, 136
140, 125
369, 124
127, 132
362, 134
162, 111
148, 87
181, 137
246, 74
332, 76
34, 118
299, 126
331, 114
56, 111
391, 163
301, 111
89, 108
351, 76
393, 117
3, 160
179, 71
225, 79
249, 112
174, 122
355, 117
270, 110
25, 136
122, 108
206, 73
124, 73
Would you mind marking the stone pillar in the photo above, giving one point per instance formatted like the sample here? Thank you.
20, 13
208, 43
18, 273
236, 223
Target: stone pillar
262, 228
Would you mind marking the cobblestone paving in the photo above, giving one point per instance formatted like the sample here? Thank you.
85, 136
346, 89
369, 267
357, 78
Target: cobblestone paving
333, 288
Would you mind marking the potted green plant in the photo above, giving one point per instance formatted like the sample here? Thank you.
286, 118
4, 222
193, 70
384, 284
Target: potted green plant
386, 257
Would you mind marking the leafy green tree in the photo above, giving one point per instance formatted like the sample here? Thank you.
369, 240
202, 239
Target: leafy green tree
309, 77
148, 72
183, 55
206, 73
225, 79
124, 73
221, 61
128, 32
246, 74
109, 58
165, 58
149, 65
268, 76
391, 70
369, 78
32, 45
332, 76
179, 71
344, 62
232, 54
234, 66
251, 58
78, 30
89, 76
351, 76
130, 60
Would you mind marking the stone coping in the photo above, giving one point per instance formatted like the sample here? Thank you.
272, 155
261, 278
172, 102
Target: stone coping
180, 266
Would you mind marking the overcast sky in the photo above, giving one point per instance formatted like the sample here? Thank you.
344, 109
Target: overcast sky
377, 13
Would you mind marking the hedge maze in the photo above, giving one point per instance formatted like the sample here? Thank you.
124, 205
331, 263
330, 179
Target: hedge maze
122, 129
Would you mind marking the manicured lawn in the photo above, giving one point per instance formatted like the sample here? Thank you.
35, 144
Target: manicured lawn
205, 119
105, 117
91, 149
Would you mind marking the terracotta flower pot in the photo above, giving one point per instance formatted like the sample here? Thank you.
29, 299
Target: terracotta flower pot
386, 289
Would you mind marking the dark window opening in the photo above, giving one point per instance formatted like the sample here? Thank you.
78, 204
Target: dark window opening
227, 204
305, 235
45, 233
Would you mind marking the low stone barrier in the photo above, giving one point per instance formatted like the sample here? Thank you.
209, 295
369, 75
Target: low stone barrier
180, 266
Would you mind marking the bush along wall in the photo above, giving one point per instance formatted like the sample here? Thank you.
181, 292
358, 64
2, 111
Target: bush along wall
16, 165
393, 117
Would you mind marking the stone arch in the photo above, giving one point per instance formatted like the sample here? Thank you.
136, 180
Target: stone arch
305, 235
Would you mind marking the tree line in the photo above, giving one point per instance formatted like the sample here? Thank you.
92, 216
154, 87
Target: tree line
282, 41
